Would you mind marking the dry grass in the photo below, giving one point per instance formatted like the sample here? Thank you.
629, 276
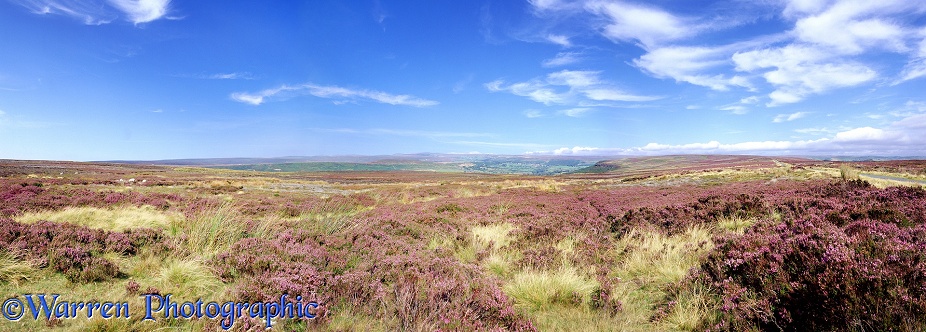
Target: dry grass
493, 236
848, 173
650, 263
114, 219
735, 223
209, 230
189, 279
13, 270
540, 290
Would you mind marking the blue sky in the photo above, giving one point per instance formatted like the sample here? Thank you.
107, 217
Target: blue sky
160, 79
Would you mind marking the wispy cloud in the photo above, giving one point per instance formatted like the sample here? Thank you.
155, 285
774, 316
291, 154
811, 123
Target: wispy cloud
142, 11
567, 87
406, 133
735, 109
575, 112
900, 138
828, 45
530, 146
96, 12
330, 92
562, 59
228, 76
533, 114
692, 65
646, 25
789, 117
560, 40
800, 70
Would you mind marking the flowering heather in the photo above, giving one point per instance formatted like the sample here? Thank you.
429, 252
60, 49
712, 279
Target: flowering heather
19, 197
75, 251
461, 252
846, 257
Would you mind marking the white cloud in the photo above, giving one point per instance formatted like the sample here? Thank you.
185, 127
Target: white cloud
750, 100
902, 138
575, 112
801, 70
606, 94
854, 26
574, 78
829, 45
815, 131
533, 114
912, 122
736, 109
561, 59
789, 117
913, 70
98, 12
228, 76
552, 5
142, 11
689, 64
647, 25
567, 87
560, 40
331, 92
575, 150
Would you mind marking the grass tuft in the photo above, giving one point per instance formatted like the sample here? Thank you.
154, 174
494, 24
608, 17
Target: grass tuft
735, 223
112, 219
209, 230
540, 290
189, 278
493, 236
13, 270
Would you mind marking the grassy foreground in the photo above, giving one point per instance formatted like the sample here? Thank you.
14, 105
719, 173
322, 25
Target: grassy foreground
780, 246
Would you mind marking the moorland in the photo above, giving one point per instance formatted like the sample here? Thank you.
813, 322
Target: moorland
670, 243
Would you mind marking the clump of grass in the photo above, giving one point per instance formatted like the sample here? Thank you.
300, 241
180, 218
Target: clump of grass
735, 223
330, 223
13, 270
209, 230
692, 306
493, 236
540, 290
651, 263
847, 173
189, 278
659, 259
111, 219
501, 263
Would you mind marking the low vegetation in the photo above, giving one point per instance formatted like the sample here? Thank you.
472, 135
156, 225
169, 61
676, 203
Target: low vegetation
769, 246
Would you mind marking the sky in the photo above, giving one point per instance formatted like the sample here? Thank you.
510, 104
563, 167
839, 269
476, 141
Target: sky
162, 79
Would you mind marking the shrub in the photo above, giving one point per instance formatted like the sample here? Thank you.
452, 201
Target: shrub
811, 274
75, 251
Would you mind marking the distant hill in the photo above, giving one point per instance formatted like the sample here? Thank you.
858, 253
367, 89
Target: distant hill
468, 163
645, 166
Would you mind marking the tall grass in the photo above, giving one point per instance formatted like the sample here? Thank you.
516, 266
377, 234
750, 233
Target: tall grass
111, 219
209, 230
493, 236
13, 270
651, 263
540, 290
847, 173
735, 223
188, 278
